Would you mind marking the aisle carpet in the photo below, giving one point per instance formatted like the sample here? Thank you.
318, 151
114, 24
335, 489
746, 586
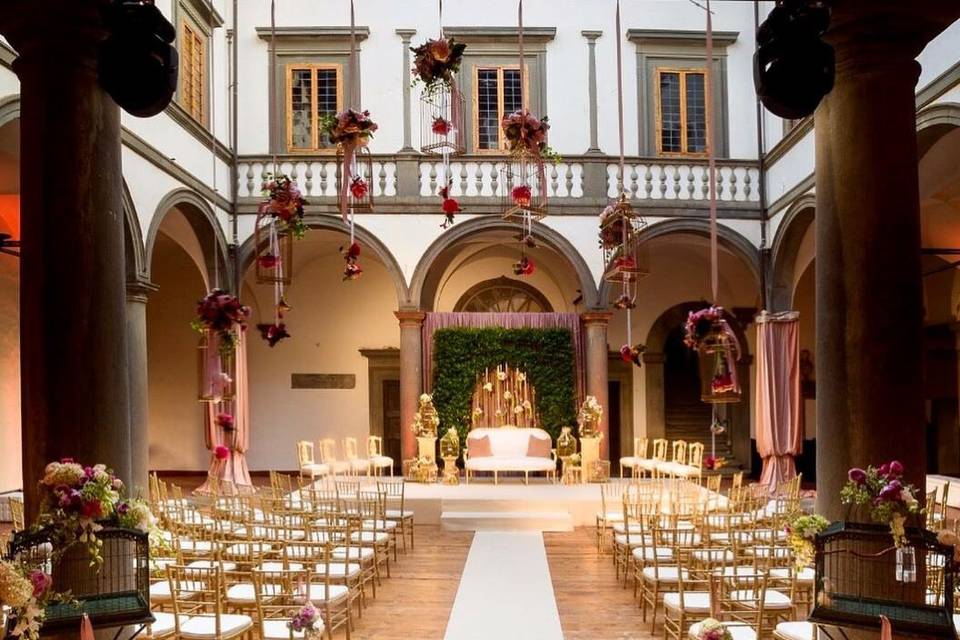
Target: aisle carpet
505, 590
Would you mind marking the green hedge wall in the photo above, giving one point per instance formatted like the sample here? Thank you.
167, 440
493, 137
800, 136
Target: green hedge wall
546, 355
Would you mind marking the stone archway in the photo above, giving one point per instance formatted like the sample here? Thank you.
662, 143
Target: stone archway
797, 220
366, 239
439, 255
661, 335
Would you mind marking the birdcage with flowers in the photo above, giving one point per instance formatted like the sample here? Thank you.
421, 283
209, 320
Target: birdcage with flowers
708, 332
220, 318
435, 64
625, 260
279, 221
523, 176
351, 131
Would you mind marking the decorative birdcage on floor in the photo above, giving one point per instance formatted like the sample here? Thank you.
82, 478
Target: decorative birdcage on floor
217, 367
117, 594
274, 250
523, 187
359, 176
442, 120
861, 575
625, 260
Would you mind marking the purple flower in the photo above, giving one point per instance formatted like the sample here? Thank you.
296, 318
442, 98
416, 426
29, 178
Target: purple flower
891, 492
40, 581
896, 468
884, 469
857, 475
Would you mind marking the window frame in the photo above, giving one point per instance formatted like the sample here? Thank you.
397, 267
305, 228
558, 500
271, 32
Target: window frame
289, 68
682, 74
192, 29
476, 67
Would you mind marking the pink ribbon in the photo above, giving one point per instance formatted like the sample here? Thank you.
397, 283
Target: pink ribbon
349, 151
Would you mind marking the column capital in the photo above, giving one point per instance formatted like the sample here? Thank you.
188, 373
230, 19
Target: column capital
596, 317
410, 318
591, 34
140, 290
406, 34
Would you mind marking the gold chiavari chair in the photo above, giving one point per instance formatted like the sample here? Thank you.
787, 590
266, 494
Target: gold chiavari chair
369, 528
337, 532
677, 461
395, 490
631, 462
738, 605
378, 461
288, 595
347, 488
690, 602
648, 466
736, 480
611, 510
351, 452
199, 597
628, 534
663, 574
332, 599
931, 504
16, 513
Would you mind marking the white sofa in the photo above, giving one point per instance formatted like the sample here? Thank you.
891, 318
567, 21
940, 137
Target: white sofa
508, 448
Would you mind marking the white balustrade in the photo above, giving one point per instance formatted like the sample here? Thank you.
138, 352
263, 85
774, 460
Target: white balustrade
315, 178
483, 178
686, 181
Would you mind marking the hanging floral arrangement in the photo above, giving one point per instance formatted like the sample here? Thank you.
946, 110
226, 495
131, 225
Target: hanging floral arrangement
450, 206
701, 325
524, 266
274, 332
351, 131
285, 203
436, 62
632, 353
888, 498
525, 132
351, 256
222, 314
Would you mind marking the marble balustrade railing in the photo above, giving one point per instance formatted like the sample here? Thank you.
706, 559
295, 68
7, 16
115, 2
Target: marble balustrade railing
577, 178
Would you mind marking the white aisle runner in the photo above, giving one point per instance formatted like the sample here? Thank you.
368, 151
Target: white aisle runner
505, 591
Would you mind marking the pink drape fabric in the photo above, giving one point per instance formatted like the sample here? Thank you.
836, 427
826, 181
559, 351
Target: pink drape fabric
444, 320
779, 431
233, 474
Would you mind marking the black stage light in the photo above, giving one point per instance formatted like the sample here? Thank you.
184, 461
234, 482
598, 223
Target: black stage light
793, 67
138, 64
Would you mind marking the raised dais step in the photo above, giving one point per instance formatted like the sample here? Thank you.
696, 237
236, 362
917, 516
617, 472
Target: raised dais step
506, 521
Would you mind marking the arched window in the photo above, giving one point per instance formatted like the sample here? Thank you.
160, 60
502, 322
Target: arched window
503, 295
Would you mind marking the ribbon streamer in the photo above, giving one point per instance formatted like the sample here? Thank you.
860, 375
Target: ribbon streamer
620, 181
711, 161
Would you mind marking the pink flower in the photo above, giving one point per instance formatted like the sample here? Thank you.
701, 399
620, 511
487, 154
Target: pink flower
221, 452
857, 475
896, 468
40, 581
225, 421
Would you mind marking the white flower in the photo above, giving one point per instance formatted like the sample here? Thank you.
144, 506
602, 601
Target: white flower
518, 409
507, 396
501, 375
521, 377
488, 387
907, 497
15, 590
425, 398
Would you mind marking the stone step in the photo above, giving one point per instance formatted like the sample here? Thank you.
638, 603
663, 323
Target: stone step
506, 521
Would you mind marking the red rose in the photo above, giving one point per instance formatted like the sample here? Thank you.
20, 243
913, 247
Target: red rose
450, 206
441, 126
626, 353
220, 452
268, 261
359, 188
521, 195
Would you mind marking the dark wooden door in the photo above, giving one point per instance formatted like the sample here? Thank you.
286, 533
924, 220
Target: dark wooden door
613, 419
391, 420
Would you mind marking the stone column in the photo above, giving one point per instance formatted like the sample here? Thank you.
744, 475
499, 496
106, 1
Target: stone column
405, 35
411, 375
591, 37
869, 287
137, 293
595, 324
655, 421
72, 301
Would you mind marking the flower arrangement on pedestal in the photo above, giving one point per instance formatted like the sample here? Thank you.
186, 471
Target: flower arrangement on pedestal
76, 502
800, 536
712, 629
589, 417
222, 314
436, 62
25, 592
425, 420
882, 490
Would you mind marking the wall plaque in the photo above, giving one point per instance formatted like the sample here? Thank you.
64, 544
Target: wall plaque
323, 381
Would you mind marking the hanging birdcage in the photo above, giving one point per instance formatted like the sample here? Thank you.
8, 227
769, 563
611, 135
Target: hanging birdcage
274, 250
523, 187
718, 377
360, 177
442, 120
217, 367
625, 259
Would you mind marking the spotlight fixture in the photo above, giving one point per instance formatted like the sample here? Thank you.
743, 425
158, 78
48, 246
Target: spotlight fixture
137, 63
793, 67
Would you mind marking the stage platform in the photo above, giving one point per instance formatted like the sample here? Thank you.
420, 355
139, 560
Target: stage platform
508, 506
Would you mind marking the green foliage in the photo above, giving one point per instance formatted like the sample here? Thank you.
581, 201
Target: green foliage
546, 355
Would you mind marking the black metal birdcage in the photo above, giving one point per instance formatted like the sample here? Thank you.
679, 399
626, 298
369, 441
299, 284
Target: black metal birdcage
862, 575
116, 594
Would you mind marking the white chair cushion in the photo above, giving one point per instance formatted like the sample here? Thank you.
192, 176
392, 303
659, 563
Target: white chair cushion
712, 555
737, 631
278, 566
359, 465
805, 576
160, 591
381, 461
338, 569
164, 624
800, 630
323, 593
396, 514
647, 553
369, 537
498, 463
210, 564
629, 461
772, 600
356, 553
664, 574
693, 601
315, 469
278, 629
610, 516
379, 525
204, 627
243, 593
